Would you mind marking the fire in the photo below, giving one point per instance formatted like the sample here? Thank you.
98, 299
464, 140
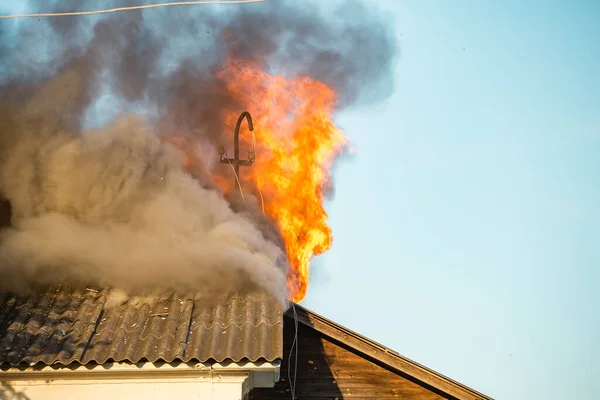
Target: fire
296, 143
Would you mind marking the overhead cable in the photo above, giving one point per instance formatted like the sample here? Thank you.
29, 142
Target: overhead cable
129, 8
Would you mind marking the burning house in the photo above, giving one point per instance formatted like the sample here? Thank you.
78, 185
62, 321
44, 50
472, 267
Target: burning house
74, 343
141, 256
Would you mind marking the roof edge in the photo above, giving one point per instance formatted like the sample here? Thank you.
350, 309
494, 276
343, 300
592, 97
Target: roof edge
383, 354
138, 369
92, 363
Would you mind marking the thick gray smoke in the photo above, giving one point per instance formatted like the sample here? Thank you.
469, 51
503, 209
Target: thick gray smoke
96, 196
163, 60
115, 207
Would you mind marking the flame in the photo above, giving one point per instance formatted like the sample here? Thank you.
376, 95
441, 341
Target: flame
296, 143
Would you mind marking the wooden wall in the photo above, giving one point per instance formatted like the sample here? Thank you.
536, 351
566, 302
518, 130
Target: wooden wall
329, 370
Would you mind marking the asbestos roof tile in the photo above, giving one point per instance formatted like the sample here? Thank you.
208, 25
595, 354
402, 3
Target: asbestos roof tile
61, 326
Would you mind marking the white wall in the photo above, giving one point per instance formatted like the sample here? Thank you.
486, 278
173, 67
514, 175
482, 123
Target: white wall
143, 381
147, 389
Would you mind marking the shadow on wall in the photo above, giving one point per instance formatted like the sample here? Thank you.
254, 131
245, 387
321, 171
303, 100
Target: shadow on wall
7, 392
314, 378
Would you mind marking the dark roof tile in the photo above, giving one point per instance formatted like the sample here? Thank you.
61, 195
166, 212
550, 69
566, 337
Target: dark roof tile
64, 326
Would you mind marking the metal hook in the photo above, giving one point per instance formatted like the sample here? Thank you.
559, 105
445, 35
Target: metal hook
235, 161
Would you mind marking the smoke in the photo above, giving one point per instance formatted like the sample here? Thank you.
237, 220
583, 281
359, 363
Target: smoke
96, 195
165, 59
115, 207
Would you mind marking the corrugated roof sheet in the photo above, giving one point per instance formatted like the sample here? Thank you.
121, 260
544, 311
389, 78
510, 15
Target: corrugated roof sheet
61, 326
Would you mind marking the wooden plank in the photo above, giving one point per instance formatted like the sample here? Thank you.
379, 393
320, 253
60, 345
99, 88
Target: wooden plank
384, 356
326, 370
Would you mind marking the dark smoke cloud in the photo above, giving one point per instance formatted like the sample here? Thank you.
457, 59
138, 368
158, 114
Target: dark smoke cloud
167, 56
59, 77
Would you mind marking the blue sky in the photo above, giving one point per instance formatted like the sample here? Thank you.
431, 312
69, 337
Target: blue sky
467, 225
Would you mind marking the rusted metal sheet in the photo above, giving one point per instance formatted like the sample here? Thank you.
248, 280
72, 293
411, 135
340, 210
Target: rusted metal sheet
62, 326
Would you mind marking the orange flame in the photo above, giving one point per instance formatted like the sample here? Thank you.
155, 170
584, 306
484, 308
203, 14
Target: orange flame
296, 143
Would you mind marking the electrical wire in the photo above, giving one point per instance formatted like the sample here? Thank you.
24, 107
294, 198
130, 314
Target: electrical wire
262, 200
237, 178
258, 183
129, 8
294, 347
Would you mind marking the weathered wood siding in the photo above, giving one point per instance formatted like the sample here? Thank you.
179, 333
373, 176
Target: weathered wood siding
330, 370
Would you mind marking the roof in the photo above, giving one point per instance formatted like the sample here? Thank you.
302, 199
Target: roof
62, 326
382, 355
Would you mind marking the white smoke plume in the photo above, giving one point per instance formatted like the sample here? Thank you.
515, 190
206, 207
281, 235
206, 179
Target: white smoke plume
114, 207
